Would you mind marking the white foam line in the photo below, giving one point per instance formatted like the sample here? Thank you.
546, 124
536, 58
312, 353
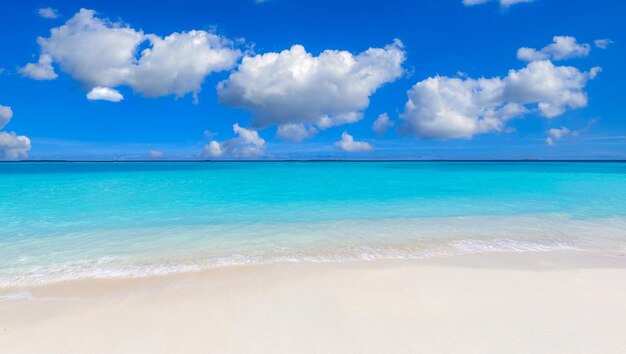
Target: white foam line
43, 275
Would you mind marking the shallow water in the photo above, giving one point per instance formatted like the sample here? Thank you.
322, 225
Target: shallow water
70, 220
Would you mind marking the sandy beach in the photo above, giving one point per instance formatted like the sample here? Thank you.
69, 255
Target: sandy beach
539, 302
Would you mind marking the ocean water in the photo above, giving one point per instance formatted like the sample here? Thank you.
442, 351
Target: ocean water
64, 221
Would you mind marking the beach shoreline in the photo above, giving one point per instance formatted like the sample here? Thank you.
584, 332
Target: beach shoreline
553, 301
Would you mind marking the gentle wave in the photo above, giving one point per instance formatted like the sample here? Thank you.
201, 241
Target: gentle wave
107, 267
155, 251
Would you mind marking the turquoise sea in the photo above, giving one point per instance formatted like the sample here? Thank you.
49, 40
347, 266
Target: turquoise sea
105, 219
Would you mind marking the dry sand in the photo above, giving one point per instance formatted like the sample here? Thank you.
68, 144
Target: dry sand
535, 302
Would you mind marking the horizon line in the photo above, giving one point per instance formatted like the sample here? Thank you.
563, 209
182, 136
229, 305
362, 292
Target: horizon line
322, 160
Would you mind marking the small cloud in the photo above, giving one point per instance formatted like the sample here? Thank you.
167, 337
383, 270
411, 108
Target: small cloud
155, 154
48, 12
555, 134
295, 132
6, 113
12, 146
474, 2
212, 149
347, 143
602, 43
562, 47
503, 3
382, 124
104, 94
558, 133
506, 3
41, 70
247, 144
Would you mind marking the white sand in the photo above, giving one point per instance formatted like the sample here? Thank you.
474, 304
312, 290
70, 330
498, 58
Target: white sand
544, 302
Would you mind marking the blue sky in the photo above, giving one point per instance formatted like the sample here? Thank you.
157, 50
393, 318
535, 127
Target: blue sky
472, 93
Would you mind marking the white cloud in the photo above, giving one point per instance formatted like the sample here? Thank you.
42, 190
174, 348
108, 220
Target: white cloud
48, 12
247, 144
155, 154
295, 132
446, 108
593, 72
347, 143
557, 134
178, 63
13, 147
382, 124
99, 52
6, 113
474, 2
41, 70
104, 94
295, 87
503, 3
602, 43
212, 149
563, 47
506, 3
93, 51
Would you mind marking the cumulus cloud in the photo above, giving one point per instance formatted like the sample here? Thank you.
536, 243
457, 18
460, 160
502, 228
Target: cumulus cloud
41, 70
6, 113
12, 146
347, 143
97, 52
104, 94
295, 132
100, 52
503, 3
562, 47
382, 124
48, 12
295, 87
247, 144
178, 63
212, 149
445, 108
557, 134
602, 43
